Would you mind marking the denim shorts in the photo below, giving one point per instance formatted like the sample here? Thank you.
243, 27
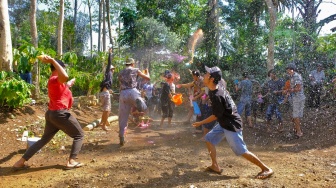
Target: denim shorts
234, 139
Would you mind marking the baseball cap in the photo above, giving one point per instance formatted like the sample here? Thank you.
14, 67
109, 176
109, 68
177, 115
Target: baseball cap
129, 61
212, 69
112, 67
291, 66
61, 63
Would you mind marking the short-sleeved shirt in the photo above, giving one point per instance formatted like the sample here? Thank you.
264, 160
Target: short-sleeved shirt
224, 108
294, 80
246, 89
318, 76
275, 85
60, 96
197, 86
165, 94
128, 78
149, 90
256, 89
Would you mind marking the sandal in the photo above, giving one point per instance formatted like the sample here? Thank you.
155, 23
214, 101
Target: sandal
265, 174
24, 167
73, 166
209, 169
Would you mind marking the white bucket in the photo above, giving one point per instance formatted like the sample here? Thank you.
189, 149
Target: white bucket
31, 141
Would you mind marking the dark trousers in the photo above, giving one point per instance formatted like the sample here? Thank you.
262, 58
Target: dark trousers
55, 121
315, 95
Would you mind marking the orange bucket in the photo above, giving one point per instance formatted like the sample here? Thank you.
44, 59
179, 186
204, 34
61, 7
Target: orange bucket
177, 99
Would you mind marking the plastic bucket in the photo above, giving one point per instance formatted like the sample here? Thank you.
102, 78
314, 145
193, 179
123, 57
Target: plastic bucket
177, 99
31, 141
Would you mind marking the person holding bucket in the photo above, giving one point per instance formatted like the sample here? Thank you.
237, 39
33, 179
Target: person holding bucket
58, 116
167, 92
195, 94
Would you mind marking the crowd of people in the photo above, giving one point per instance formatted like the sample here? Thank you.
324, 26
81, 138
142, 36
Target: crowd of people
217, 115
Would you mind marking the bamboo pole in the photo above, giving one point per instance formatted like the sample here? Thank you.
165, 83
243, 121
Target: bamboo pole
92, 125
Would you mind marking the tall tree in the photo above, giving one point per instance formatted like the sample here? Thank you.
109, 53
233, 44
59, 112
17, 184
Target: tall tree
99, 23
104, 26
212, 32
109, 21
60, 29
6, 56
90, 15
33, 31
273, 18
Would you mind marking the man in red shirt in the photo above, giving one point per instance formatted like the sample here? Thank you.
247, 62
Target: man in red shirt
58, 116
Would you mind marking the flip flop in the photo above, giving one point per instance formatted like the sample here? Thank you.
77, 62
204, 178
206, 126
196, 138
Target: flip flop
209, 169
264, 175
73, 166
104, 128
25, 167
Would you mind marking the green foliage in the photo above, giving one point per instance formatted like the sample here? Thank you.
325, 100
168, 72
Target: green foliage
151, 33
26, 56
128, 35
14, 92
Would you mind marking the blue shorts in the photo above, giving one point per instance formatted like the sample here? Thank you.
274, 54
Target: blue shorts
234, 139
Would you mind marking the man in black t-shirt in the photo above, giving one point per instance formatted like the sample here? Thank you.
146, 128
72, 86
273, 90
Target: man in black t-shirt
229, 125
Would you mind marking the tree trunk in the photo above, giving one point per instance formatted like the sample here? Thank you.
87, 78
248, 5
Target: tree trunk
109, 21
60, 29
33, 31
90, 16
6, 56
75, 18
99, 24
273, 18
104, 27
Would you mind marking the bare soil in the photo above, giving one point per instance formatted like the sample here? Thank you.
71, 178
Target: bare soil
171, 156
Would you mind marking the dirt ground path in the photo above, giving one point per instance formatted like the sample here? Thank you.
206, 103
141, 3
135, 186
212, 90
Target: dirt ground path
172, 156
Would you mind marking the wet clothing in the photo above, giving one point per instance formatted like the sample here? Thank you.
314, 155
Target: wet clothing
274, 99
128, 78
105, 100
275, 85
315, 87
245, 101
59, 118
59, 94
319, 77
229, 123
55, 121
298, 98
224, 108
167, 106
129, 96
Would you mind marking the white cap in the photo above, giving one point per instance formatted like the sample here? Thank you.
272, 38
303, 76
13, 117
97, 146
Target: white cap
212, 69
111, 67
